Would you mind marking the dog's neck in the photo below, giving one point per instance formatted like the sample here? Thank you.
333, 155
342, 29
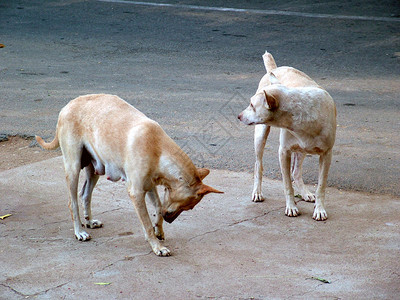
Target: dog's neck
282, 119
295, 113
175, 168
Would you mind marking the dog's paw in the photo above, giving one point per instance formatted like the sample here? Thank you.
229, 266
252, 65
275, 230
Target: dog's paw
320, 214
308, 196
291, 211
163, 251
159, 233
82, 236
94, 224
257, 197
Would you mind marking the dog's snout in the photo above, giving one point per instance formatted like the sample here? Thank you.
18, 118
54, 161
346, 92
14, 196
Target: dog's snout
240, 116
171, 216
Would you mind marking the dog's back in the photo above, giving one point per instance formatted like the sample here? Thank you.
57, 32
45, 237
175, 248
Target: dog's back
287, 76
102, 109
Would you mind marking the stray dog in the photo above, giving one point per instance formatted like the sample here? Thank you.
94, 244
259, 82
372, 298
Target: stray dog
289, 99
107, 136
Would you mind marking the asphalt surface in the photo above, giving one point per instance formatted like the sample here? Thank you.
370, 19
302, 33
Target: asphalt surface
193, 70
227, 247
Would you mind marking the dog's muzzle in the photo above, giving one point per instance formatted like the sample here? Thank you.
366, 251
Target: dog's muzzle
171, 216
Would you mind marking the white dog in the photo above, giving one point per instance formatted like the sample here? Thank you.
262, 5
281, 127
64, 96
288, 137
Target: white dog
289, 99
107, 136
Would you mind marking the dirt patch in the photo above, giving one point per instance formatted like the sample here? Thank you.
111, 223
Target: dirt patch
17, 151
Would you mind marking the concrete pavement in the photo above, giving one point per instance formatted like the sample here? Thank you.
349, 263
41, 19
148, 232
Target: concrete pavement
226, 248
194, 70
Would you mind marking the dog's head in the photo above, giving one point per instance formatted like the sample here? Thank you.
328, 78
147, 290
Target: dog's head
263, 105
185, 196
261, 110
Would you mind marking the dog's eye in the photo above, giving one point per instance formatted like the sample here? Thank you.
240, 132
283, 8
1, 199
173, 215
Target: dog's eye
252, 106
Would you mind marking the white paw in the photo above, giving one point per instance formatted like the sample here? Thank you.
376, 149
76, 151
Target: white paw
320, 214
162, 251
291, 211
82, 236
307, 196
257, 197
93, 224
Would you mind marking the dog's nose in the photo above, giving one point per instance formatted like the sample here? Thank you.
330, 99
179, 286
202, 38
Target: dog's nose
240, 117
171, 216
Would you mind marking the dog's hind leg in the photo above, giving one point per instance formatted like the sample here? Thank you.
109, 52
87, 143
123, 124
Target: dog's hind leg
86, 197
324, 165
261, 133
155, 199
297, 173
72, 169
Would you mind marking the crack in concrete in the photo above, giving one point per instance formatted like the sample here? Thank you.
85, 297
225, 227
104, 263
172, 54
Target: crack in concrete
111, 210
13, 290
256, 217
126, 258
35, 294
52, 288
237, 223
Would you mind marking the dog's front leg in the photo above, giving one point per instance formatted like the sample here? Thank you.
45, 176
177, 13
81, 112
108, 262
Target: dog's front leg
284, 160
138, 199
155, 199
261, 133
324, 164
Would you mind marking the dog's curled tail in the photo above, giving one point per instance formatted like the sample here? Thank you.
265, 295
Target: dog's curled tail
269, 61
54, 144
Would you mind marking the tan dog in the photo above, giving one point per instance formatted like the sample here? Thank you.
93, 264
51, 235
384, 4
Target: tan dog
107, 136
289, 99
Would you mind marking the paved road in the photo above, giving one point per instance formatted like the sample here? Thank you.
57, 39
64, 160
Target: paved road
193, 70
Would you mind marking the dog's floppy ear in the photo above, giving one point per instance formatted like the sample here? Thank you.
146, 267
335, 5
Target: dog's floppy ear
205, 189
271, 101
203, 173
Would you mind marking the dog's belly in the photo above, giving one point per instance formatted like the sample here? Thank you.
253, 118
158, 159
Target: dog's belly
308, 150
114, 173
100, 166
305, 144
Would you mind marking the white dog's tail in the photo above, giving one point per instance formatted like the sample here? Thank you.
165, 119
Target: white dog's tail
269, 61
54, 144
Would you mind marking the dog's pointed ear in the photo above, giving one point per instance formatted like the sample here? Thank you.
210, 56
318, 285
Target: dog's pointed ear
271, 101
203, 173
205, 189
273, 79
